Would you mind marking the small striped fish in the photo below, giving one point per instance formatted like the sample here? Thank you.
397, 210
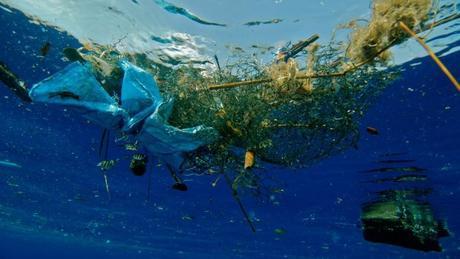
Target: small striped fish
107, 164
139, 156
131, 147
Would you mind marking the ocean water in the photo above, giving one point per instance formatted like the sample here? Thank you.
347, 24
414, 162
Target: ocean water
53, 202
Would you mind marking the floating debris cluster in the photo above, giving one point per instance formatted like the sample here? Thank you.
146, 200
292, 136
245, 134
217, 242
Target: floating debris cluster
230, 121
278, 113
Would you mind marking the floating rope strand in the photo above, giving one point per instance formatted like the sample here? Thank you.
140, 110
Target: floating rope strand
443, 68
339, 74
236, 197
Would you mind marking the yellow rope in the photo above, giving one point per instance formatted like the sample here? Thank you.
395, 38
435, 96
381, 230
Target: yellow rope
310, 76
431, 53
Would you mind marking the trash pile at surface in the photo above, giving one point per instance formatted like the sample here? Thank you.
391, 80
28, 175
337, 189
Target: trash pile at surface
142, 111
302, 107
288, 113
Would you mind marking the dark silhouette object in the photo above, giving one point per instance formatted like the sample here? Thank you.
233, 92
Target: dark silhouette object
138, 164
372, 131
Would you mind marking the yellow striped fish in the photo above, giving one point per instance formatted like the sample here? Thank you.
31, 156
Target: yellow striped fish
107, 164
131, 147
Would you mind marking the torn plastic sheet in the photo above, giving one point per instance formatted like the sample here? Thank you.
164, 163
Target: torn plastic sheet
76, 87
160, 138
140, 95
142, 107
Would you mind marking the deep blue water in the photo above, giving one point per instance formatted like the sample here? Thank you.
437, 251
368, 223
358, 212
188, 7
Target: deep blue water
56, 205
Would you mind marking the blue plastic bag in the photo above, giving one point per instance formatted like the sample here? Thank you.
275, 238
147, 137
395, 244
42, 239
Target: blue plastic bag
76, 87
161, 138
140, 95
141, 106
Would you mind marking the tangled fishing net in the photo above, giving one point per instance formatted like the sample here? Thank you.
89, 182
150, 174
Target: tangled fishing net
287, 121
383, 29
291, 116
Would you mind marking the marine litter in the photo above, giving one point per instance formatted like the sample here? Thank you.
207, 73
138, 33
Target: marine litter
290, 113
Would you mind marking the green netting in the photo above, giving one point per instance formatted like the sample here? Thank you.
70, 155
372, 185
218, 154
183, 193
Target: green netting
283, 125
290, 116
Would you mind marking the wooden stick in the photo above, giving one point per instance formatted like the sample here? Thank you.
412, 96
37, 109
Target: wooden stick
431, 53
310, 76
303, 44
440, 22
237, 84
301, 77
294, 50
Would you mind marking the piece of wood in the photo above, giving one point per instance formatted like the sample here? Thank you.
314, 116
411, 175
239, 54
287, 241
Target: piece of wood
302, 77
310, 76
284, 56
440, 22
443, 68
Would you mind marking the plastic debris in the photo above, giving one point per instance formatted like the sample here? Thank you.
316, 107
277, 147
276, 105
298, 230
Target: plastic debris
76, 87
289, 116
